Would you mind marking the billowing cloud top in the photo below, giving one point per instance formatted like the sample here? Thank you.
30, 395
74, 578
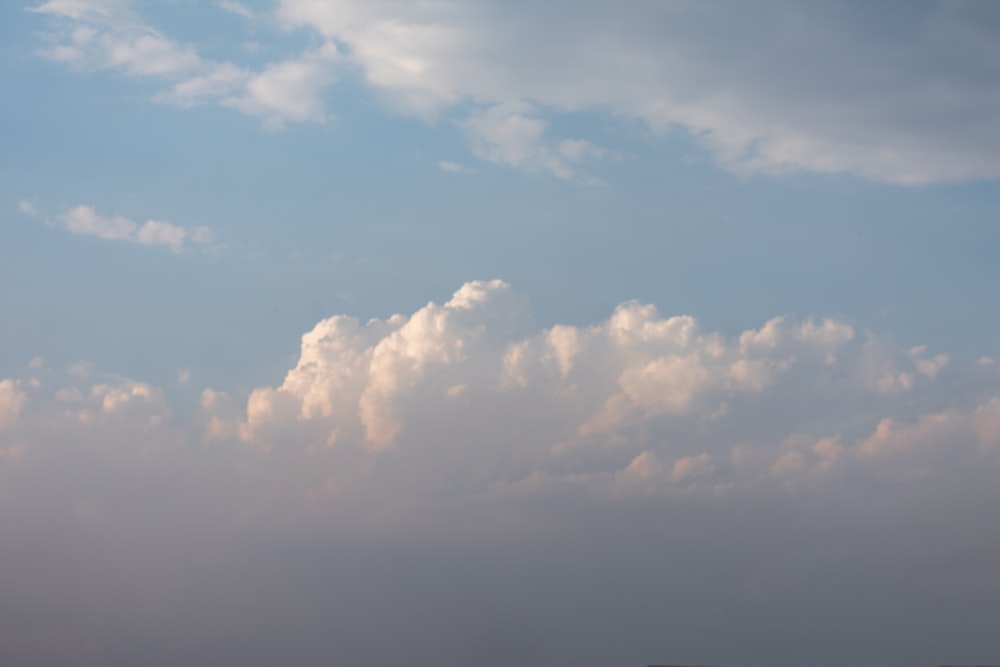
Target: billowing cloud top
636, 397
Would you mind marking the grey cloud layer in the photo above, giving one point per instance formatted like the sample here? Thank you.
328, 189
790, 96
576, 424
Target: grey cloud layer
456, 484
858, 88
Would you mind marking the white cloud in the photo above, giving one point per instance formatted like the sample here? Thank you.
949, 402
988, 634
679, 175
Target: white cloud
11, 402
82, 9
86, 221
455, 167
635, 393
149, 55
219, 80
513, 134
26, 207
155, 232
985, 423
892, 437
236, 8
106, 35
788, 463
81, 369
892, 371
466, 390
829, 450
109, 35
690, 467
289, 91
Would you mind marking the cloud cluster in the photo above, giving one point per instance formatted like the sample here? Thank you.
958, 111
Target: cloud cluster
636, 401
471, 392
459, 482
771, 88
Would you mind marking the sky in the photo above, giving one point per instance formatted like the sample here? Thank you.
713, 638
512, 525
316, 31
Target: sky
502, 333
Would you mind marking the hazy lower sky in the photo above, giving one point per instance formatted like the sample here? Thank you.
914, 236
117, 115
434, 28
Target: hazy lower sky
515, 334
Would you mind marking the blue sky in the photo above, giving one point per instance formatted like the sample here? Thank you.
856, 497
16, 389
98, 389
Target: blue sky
187, 188
355, 215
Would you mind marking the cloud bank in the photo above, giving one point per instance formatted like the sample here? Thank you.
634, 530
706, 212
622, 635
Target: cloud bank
871, 91
460, 484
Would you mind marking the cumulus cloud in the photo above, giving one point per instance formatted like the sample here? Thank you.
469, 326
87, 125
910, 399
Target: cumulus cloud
856, 90
639, 395
417, 483
11, 402
636, 397
895, 371
290, 90
471, 390
84, 220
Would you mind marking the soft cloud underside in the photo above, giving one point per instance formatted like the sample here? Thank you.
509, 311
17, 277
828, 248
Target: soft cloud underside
853, 89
